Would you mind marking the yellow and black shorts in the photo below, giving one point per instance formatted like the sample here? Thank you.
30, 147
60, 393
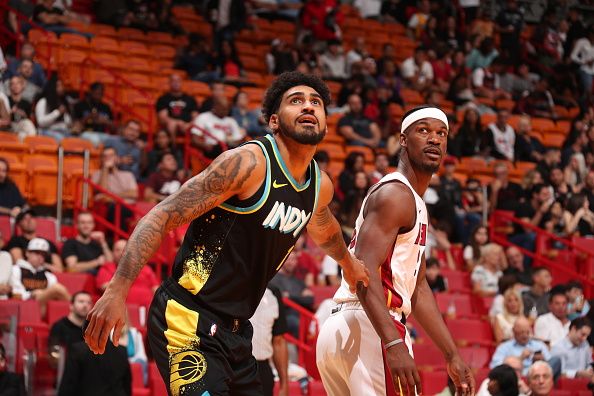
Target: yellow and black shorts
197, 352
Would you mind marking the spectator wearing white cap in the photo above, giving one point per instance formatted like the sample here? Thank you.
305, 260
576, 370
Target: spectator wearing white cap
32, 281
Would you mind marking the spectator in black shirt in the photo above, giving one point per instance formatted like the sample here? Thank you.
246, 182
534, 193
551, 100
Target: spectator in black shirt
88, 250
470, 134
162, 144
87, 374
11, 199
504, 194
54, 19
92, 116
68, 330
217, 91
176, 109
561, 188
357, 129
197, 60
527, 148
550, 160
509, 24
434, 277
11, 384
17, 245
395, 11
353, 163
532, 212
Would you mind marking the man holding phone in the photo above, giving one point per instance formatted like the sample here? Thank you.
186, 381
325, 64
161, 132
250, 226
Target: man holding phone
526, 348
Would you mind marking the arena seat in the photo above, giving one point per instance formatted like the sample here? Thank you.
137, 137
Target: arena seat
457, 281
433, 382
5, 227
572, 384
471, 331
475, 357
76, 282
428, 357
56, 310
156, 381
462, 303
138, 387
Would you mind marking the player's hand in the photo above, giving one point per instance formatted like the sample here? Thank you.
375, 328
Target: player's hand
460, 373
354, 272
107, 314
403, 369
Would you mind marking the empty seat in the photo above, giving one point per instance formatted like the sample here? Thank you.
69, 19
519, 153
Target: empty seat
433, 382
46, 228
76, 282
471, 331
427, 355
573, 384
156, 381
475, 357
456, 305
138, 387
56, 310
457, 281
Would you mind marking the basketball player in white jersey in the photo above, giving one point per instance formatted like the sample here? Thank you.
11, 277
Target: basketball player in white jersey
365, 339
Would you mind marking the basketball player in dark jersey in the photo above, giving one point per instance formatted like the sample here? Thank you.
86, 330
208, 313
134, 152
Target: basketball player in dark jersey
247, 210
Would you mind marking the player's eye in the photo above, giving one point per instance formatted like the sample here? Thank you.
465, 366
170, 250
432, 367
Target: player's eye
315, 102
295, 101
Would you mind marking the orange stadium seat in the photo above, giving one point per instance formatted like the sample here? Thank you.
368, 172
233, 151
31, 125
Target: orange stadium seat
67, 56
506, 104
41, 144
76, 144
411, 97
542, 125
99, 30
109, 61
553, 140
11, 158
139, 64
93, 74
138, 80
366, 151
71, 40
132, 34
253, 64
162, 38
105, 44
161, 51
134, 48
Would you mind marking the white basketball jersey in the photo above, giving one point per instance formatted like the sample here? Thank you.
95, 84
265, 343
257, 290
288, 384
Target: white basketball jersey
400, 269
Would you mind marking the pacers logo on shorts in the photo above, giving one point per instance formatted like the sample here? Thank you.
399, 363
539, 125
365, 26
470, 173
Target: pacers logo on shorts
186, 368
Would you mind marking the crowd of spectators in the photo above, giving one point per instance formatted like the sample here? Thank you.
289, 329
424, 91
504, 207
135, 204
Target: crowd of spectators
476, 62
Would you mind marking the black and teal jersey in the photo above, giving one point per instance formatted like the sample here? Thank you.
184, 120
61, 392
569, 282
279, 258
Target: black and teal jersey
231, 252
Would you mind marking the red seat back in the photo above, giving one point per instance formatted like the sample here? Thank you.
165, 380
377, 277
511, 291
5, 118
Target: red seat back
462, 302
429, 356
76, 282
471, 331
433, 382
56, 310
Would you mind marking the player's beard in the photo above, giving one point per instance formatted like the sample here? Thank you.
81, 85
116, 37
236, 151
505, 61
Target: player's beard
422, 165
309, 136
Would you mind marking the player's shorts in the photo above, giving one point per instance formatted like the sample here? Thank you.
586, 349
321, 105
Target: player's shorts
197, 352
350, 356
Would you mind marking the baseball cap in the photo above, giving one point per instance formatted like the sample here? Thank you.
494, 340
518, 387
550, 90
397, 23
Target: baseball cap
22, 215
38, 245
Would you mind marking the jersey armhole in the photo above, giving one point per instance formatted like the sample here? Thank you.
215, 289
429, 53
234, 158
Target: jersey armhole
264, 194
377, 187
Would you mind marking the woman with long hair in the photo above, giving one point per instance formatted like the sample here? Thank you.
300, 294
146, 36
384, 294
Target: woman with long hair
162, 145
351, 205
470, 133
479, 237
579, 217
503, 381
513, 308
52, 110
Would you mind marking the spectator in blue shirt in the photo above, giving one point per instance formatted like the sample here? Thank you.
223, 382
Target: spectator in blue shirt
525, 347
250, 121
129, 147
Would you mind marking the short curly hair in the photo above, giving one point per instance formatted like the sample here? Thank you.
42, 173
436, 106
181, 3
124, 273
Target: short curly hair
286, 81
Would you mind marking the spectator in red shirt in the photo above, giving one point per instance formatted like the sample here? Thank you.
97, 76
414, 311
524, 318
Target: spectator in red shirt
322, 18
307, 268
144, 286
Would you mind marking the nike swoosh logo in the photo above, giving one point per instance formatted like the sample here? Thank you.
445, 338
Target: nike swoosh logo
276, 185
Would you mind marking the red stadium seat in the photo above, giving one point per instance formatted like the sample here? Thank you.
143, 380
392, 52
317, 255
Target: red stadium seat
573, 384
56, 310
471, 332
433, 382
461, 302
5, 228
138, 388
157, 385
457, 281
476, 357
428, 356
76, 282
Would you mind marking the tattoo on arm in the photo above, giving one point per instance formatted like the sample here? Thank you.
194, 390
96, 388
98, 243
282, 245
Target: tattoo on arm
327, 234
226, 175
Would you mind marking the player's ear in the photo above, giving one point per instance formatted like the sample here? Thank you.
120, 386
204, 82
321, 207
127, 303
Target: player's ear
402, 138
273, 122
